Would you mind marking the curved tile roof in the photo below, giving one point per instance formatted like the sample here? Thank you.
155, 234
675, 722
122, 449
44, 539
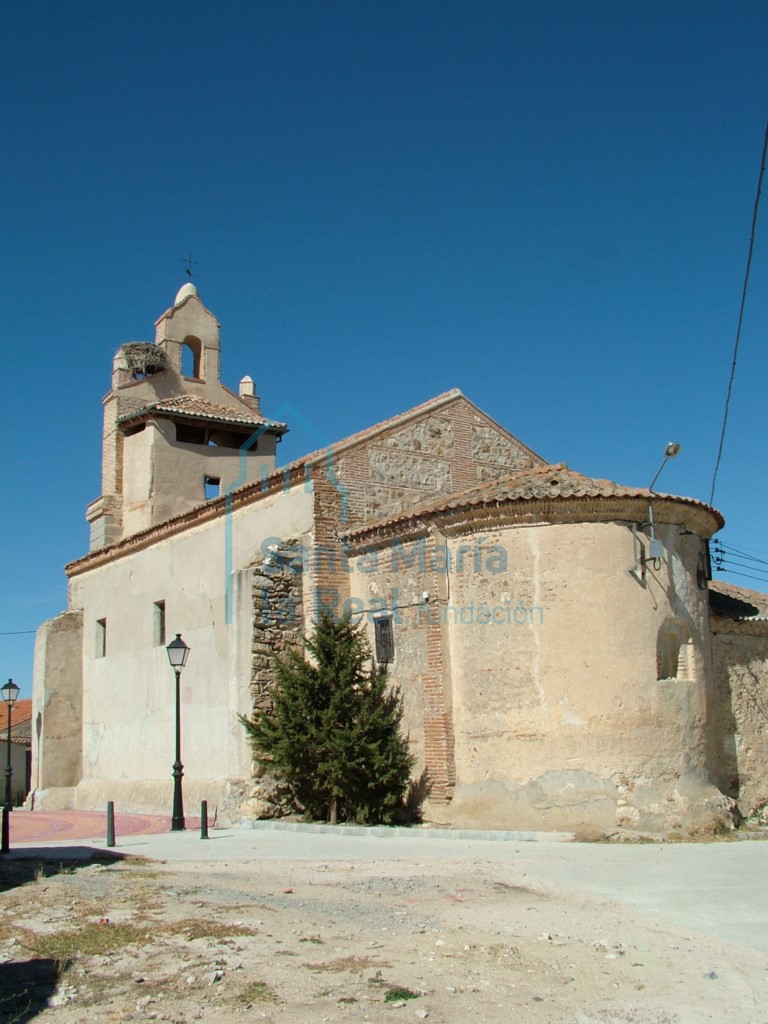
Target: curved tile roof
739, 603
539, 483
192, 407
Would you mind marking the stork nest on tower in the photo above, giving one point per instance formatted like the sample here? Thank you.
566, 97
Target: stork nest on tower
143, 358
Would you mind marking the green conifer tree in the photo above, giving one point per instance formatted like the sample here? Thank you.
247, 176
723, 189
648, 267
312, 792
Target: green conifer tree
333, 735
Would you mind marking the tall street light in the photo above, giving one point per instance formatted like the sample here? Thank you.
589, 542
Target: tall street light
178, 652
10, 694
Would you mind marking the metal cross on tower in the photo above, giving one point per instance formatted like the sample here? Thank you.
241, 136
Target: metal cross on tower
190, 263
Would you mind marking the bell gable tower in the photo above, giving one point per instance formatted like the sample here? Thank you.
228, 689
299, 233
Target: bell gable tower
174, 435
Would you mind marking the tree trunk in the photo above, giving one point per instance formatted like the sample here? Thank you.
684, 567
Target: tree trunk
333, 812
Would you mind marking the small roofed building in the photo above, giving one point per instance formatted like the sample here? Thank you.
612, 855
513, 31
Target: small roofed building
738, 735
551, 633
21, 748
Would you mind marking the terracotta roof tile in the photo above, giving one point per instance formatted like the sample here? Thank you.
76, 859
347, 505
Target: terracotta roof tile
20, 712
535, 484
734, 602
192, 407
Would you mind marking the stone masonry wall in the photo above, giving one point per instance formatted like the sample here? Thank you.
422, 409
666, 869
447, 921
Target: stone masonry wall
278, 627
738, 719
441, 452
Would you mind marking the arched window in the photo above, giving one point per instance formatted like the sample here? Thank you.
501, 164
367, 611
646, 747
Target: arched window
191, 357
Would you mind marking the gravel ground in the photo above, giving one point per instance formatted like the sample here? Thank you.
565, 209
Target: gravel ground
456, 939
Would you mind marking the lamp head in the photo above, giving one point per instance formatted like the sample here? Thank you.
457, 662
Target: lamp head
10, 692
671, 450
178, 652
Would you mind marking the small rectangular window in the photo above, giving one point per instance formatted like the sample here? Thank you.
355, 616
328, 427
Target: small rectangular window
158, 610
385, 639
101, 638
212, 487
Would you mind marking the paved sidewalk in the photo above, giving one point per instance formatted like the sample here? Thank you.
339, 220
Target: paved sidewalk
65, 826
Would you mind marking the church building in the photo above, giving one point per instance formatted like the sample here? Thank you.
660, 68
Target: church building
565, 659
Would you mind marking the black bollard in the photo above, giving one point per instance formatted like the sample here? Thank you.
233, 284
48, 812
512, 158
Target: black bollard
204, 819
110, 823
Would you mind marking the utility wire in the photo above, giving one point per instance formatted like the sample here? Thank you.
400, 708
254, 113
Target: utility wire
746, 575
741, 315
725, 563
739, 547
735, 553
718, 548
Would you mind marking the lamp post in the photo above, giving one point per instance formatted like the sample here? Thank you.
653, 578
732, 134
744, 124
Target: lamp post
178, 652
10, 694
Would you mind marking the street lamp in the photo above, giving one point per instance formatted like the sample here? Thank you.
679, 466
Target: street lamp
10, 694
178, 652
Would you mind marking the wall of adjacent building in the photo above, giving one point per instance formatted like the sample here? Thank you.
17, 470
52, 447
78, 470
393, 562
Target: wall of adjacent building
739, 712
57, 709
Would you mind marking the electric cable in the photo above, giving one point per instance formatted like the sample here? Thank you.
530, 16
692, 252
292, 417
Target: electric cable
741, 316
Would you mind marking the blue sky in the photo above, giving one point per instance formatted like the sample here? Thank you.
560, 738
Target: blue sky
547, 205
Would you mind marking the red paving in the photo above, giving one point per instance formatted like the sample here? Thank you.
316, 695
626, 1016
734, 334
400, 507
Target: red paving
52, 826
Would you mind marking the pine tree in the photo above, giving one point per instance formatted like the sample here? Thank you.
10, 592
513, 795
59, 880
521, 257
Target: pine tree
333, 734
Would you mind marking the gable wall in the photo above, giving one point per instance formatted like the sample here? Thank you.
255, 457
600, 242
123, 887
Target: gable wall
439, 452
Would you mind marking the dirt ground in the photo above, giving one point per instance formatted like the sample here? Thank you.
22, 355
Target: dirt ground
449, 941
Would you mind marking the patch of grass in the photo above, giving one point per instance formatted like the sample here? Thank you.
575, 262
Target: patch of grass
713, 835
394, 995
588, 834
199, 928
314, 939
65, 947
257, 992
346, 963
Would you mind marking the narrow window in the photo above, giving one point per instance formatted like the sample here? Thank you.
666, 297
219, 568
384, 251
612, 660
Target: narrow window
674, 653
212, 487
385, 640
159, 622
101, 638
191, 352
667, 651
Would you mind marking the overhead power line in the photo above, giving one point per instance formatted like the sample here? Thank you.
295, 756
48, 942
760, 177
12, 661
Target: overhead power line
741, 315
730, 559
